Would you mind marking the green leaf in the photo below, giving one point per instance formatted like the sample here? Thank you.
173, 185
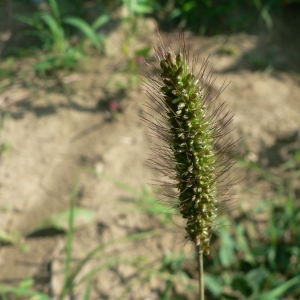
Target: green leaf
87, 291
138, 6
26, 283
214, 284
9, 237
57, 32
189, 6
271, 256
242, 244
256, 277
100, 21
175, 13
84, 27
55, 9
143, 9
67, 288
54, 27
265, 14
226, 252
143, 52
20, 291
278, 291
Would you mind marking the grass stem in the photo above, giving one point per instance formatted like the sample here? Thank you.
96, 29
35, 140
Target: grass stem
200, 270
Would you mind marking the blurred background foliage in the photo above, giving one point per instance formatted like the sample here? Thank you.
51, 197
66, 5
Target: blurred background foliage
202, 17
55, 27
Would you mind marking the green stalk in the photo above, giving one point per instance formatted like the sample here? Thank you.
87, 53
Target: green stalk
201, 273
67, 283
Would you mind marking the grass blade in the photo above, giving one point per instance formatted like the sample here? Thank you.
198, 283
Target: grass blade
85, 28
278, 291
58, 35
55, 9
68, 284
87, 291
20, 291
132, 237
100, 21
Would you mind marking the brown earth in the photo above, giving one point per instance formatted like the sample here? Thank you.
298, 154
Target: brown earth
62, 127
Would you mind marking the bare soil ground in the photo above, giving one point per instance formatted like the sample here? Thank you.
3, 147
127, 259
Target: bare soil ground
63, 126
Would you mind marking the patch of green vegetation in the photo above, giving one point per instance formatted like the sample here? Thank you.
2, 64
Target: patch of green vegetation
9, 238
4, 148
7, 67
250, 259
24, 289
257, 255
145, 201
52, 29
226, 49
258, 62
217, 16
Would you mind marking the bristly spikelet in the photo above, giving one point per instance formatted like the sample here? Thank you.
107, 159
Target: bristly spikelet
191, 127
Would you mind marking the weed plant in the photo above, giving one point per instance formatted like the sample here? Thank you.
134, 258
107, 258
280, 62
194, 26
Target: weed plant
192, 155
132, 18
51, 28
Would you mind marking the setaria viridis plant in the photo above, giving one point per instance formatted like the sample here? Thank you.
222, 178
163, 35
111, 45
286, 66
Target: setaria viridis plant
194, 154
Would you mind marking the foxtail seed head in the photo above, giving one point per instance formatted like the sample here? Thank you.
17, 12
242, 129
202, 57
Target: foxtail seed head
191, 127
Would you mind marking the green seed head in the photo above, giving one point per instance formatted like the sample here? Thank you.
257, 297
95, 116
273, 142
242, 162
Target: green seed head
192, 124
